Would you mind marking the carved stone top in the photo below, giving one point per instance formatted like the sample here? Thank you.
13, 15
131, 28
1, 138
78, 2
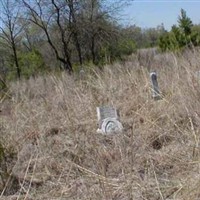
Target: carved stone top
154, 79
105, 112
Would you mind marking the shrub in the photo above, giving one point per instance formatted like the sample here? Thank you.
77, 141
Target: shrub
118, 49
31, 63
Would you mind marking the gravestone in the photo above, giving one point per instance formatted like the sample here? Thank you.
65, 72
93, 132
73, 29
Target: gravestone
82, 73
197, 74
155, 88
108, 120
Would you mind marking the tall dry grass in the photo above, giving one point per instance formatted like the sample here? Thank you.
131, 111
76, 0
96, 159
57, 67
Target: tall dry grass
52, 150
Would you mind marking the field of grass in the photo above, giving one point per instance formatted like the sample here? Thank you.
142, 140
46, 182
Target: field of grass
49, 147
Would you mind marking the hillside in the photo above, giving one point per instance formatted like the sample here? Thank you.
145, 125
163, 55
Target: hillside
50, 149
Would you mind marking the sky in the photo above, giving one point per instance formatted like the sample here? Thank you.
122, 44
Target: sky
150, 13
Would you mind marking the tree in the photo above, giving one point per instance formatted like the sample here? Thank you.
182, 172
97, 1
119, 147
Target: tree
91, 16
180, 36
185, 23
95, 27
73, 25
98, 23
32, 36
77, 31
45, 15
10, 28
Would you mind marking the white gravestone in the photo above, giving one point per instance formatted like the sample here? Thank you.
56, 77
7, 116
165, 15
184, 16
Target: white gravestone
154, 81
108, 120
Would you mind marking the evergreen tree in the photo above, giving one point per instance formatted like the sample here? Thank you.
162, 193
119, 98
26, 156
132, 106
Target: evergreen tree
185, 23
180, 36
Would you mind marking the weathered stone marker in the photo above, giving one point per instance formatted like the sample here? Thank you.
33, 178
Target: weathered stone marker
105, 112
197, 74
108, 120
82, 73
156, 91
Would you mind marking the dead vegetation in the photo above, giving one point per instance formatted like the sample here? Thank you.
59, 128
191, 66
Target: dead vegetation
50, 149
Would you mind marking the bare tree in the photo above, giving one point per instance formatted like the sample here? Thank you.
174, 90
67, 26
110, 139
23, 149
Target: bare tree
73, 28
98, 28
74, 7
45, 15
10, 29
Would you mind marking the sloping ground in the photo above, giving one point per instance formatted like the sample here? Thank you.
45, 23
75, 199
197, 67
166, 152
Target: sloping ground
50, 148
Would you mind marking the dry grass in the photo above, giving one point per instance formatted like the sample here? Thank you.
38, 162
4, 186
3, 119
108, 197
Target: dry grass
49, 126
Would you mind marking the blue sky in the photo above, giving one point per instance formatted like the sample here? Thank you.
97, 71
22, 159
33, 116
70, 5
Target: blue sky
150, 13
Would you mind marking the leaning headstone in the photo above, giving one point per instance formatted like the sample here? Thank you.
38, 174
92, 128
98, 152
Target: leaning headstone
156, 92
108, 120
